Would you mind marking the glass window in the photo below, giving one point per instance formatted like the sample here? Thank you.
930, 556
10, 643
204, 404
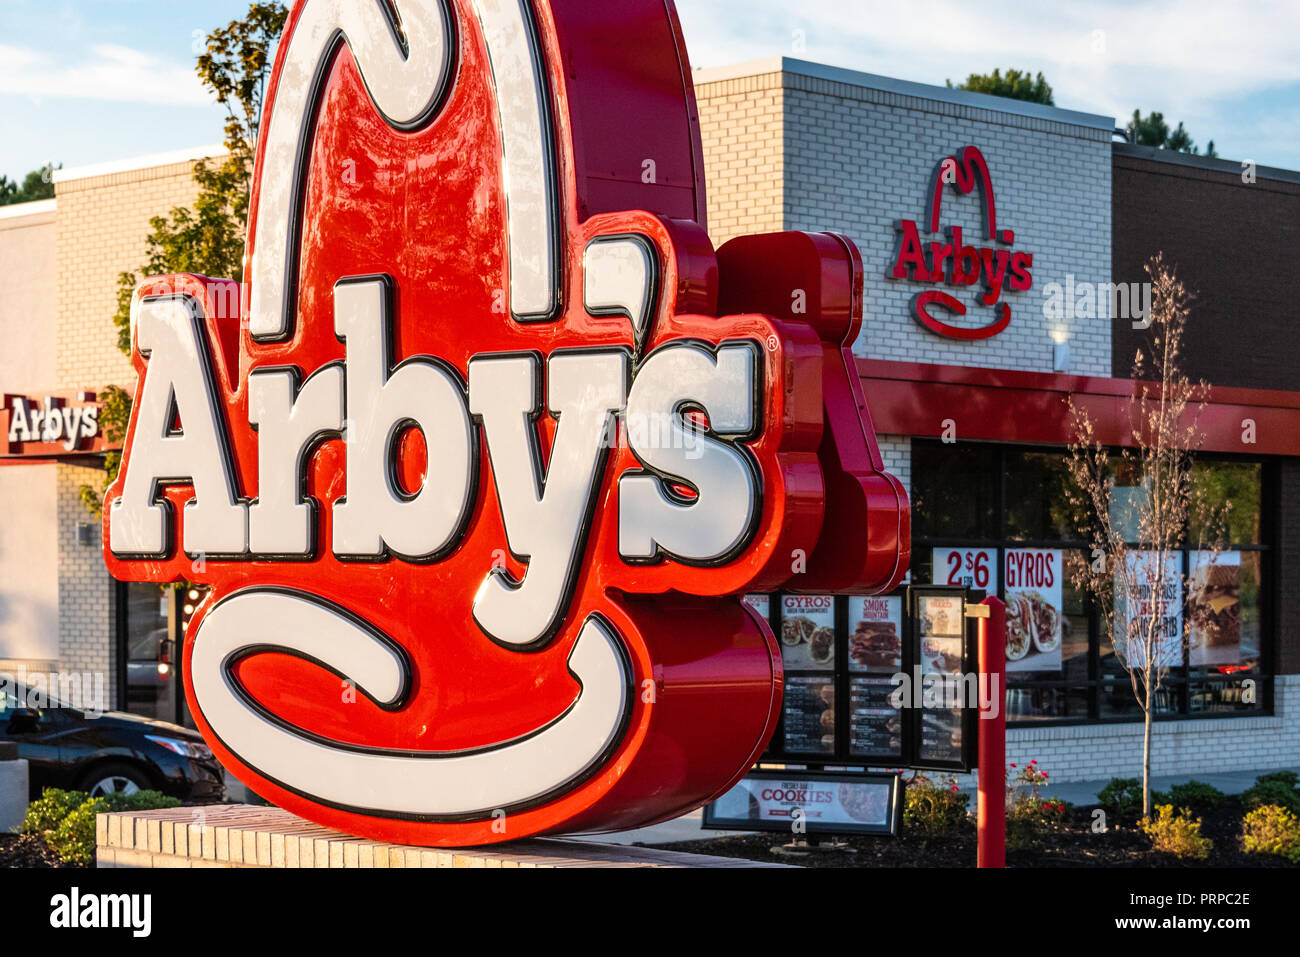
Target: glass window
1227, 497
953, 491
1037, 496
150, 677
1008, 509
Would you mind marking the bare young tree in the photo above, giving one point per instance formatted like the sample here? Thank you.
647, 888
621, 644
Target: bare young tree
1142, 505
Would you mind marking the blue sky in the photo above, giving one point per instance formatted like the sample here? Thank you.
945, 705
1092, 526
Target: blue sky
87, 81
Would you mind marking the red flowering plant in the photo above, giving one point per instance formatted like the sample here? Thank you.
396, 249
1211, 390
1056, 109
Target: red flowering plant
1031, 816
934, 809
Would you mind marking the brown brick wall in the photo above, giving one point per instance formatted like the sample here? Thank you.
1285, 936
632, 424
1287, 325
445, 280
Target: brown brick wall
1233, 244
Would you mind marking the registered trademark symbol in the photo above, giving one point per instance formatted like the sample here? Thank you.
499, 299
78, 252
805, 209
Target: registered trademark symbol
772, 343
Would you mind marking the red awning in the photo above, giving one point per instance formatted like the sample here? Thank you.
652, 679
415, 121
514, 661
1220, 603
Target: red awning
912, 398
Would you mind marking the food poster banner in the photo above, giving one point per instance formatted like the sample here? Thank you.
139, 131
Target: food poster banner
1035, 612
1214, 608
875, 655
808, 632
876, 634
1158, 597
808, 714
966, 568
858, 804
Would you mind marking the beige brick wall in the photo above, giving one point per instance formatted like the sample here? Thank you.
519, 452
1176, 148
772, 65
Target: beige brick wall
102, 224
86, 604
741, 127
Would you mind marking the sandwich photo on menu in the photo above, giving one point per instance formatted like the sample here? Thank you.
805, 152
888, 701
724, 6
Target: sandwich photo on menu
1214, 604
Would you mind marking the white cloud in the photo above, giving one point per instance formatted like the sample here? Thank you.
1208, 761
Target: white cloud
1105, 57
109, 72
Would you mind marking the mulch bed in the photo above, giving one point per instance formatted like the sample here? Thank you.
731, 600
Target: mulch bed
23, 850
1074, 845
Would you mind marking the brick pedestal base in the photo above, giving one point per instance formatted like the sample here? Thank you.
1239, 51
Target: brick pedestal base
240, 835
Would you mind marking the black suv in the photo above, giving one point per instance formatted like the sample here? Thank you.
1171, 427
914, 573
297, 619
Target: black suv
107, 751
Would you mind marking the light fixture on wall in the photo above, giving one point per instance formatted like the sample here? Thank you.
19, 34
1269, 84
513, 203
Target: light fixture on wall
1061, 357
88, 535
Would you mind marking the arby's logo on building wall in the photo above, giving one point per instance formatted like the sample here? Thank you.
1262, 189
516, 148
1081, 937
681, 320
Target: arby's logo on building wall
480, 470
49, 425
952, 259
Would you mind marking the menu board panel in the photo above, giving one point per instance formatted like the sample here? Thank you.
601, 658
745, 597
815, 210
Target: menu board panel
941, 735
825, 802
941, 616
966, 568
1214, 607
875, 634
939, 720
1034, 610
875, 725
808, 712
808, 632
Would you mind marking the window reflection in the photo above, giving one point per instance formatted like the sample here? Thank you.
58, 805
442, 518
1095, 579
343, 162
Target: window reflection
1001, 500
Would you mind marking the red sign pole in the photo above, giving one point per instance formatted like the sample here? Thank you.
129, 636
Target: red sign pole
991, 806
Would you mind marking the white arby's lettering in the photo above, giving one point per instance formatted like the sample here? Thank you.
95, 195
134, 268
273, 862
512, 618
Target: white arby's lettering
49, 421
545, 504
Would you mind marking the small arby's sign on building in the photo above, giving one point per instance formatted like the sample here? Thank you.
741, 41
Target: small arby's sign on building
481, 471
51, 425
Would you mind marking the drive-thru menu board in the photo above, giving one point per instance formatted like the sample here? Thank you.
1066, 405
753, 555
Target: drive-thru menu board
847, 659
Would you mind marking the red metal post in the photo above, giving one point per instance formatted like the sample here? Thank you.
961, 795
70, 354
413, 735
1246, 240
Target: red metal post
991, 806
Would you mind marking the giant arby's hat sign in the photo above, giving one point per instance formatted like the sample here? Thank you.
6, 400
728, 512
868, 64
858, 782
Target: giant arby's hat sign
478, 472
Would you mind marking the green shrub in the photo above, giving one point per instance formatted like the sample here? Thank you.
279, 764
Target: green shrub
1279, 788
1123, 796
66, 819
74, 839
1194, 796
48, 811
1177, 833
932, 810
1272, 830
1030, 819
139, 801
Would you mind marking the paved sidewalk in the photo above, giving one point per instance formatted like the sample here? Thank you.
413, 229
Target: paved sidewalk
1229, 782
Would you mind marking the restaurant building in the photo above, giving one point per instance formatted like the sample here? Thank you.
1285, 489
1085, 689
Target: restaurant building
994, 234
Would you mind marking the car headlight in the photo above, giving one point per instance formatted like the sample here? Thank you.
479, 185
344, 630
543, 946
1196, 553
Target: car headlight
186, 749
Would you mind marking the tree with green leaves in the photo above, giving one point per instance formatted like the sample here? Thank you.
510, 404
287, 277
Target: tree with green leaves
1152, 130
38, 184
1014, 85
208, 238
